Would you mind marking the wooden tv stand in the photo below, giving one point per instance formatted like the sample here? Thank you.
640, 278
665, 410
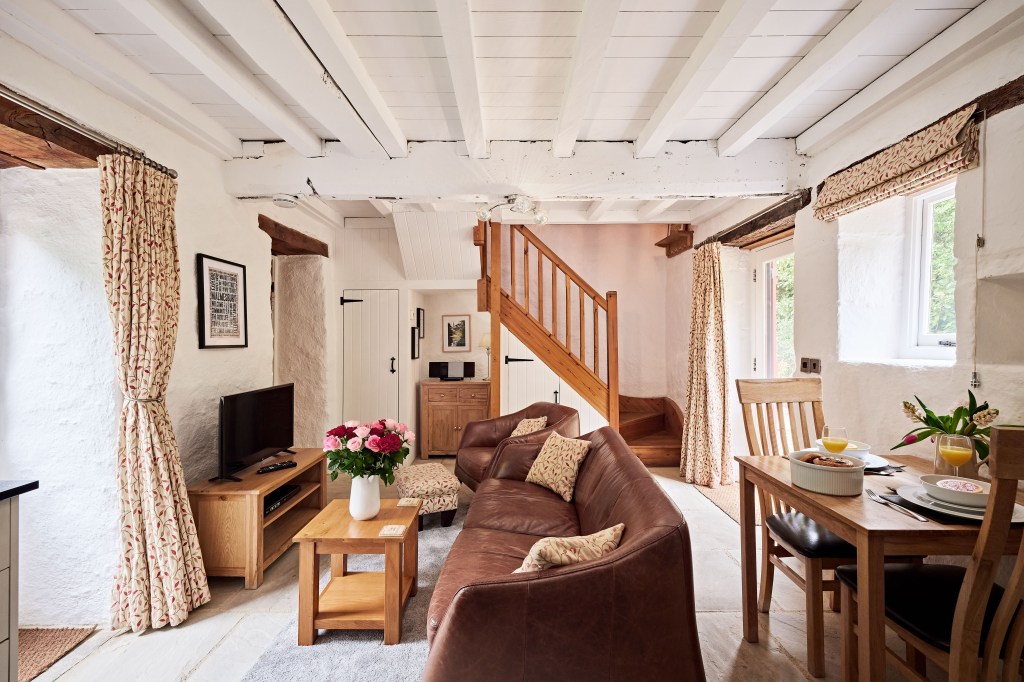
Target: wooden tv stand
236, 539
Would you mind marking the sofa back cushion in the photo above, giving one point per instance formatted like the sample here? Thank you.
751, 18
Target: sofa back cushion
613, 486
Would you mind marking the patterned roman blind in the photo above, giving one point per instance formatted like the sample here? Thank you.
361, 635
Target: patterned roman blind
922, 159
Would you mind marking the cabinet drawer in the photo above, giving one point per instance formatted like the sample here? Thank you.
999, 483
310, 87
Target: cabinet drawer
439, 394
473, 395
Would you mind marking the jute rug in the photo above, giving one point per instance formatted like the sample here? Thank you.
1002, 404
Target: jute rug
39, 648
727, 498
360, 655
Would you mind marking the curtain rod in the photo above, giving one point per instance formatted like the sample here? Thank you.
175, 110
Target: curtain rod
789, 198
115, 144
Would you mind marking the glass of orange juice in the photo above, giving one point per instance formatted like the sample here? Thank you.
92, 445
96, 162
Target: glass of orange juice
957, 450
834, 439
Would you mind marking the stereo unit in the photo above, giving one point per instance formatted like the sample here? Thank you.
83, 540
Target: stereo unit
452, 371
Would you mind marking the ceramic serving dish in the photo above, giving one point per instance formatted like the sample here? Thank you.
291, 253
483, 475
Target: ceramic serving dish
962, 491
826, 480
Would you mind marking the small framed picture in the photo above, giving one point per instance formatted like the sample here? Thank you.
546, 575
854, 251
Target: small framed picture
455, 331
415, 343
421, 322
222, 308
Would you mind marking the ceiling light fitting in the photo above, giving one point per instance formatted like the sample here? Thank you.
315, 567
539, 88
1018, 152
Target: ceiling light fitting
517, 203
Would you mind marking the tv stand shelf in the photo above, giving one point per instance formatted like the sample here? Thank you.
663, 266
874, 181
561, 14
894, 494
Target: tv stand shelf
236, 538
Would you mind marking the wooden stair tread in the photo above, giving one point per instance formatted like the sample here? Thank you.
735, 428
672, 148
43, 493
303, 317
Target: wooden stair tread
661, 449
626, 417
656, 440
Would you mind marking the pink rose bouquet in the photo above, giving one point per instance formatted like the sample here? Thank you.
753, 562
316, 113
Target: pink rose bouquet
371, 449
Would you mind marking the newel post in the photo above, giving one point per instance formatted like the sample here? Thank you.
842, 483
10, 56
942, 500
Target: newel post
494, 296
613, 359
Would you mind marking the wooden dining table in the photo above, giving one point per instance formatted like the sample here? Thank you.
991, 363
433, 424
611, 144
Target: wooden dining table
875, 529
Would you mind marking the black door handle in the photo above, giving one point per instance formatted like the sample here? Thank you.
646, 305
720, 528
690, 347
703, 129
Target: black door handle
393, 370
556, 397
508, 359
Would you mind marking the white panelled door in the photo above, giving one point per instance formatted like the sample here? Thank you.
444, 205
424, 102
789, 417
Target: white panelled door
531, 381
370, 364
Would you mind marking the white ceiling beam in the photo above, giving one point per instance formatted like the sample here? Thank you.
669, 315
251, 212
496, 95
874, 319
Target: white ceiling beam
269, 38
318, 24
709, 208
598, 208
976, 26
174, 25
591, 44
730, 29
835, 51
58, 36
385, 208
369, 223
557, 216
653, 209
596, 169
457, 33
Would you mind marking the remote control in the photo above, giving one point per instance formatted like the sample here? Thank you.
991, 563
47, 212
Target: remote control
287, 464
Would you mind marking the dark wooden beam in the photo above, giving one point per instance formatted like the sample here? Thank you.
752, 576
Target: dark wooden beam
284, 241
776, 214
44, 142
11, 161
679, 239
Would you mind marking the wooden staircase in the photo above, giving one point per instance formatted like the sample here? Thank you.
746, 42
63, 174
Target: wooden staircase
572, 328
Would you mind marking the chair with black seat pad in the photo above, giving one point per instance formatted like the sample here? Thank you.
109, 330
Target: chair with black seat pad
781, 416
955, 616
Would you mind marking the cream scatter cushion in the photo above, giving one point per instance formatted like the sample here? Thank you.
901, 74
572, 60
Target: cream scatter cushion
549, 552
558, 463
529, 426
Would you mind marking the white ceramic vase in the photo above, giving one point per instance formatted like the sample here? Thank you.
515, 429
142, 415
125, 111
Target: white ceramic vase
364, 500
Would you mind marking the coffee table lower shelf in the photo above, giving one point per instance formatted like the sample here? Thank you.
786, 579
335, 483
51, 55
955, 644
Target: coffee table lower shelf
356, 602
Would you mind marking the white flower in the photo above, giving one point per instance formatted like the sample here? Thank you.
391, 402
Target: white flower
956, 406
985, 417
910, 409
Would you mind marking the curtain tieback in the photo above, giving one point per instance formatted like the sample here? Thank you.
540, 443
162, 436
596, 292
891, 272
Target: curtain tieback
145, 400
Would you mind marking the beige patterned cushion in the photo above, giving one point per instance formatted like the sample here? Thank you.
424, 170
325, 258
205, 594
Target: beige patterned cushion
426, 480
529, 426
558, 463
549, 552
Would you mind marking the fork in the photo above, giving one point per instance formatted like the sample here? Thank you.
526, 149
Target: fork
903, 510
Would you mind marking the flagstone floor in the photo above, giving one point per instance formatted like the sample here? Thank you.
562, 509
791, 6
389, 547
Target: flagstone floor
223, 639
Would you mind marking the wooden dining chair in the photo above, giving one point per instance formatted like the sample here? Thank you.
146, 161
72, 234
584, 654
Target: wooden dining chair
781, 416
957, 617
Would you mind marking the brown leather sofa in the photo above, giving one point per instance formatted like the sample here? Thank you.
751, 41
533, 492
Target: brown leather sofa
627, 616
480, 439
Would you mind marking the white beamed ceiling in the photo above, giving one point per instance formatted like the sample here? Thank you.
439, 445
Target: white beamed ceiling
523, 58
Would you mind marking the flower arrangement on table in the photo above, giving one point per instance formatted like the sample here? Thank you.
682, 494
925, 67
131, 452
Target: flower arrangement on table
966, 419
364, 450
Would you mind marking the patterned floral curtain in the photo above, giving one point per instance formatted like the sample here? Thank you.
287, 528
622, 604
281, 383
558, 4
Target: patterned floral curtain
924, 158
705, 454
160, 575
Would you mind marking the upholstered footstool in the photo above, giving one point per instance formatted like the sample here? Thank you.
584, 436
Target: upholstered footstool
435, 485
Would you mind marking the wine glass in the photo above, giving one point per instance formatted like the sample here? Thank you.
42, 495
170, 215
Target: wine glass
957, 450
834, 439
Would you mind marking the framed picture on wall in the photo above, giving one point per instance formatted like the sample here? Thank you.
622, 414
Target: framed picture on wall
421, 322
222, 307
415, 346
455, 334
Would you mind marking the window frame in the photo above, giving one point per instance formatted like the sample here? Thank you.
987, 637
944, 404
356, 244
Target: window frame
762, 346
917, 343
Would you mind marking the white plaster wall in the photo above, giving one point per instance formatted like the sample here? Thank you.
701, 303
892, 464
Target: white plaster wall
623, 258
300, 343
58, 391
208, 221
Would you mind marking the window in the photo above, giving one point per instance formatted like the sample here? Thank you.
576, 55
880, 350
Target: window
931, 286
774, 353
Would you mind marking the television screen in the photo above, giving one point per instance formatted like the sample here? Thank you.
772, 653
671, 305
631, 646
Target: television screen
255, 425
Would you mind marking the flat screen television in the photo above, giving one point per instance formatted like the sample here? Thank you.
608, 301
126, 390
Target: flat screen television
255, 425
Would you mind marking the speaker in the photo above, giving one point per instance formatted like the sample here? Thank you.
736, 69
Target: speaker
451, 371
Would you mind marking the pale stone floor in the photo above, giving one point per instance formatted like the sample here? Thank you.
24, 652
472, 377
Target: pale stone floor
221, 640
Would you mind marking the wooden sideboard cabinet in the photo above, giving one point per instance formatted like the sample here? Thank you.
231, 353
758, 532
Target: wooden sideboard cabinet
445, 409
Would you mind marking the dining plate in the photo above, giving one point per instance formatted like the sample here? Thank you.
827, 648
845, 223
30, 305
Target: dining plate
872, 462
918, 495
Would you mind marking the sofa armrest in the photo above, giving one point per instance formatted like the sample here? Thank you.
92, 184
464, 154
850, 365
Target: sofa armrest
514, 456
480, 434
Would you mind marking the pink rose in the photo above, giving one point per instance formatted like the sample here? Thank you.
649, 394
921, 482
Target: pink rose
373, 443
363, 431
354, 444
910, 438
410, 437
352, 424
401, 427
390, 424
332, 443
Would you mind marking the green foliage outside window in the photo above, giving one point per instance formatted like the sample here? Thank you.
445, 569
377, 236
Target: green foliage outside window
941, 309
785, 353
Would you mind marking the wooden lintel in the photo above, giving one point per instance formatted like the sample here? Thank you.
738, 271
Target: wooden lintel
679, 239
11, 161
44, 142
285, 241
777, 213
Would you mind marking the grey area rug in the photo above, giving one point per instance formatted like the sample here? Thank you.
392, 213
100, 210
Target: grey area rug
360, 655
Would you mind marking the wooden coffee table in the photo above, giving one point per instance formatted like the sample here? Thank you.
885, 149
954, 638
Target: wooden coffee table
359, 600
